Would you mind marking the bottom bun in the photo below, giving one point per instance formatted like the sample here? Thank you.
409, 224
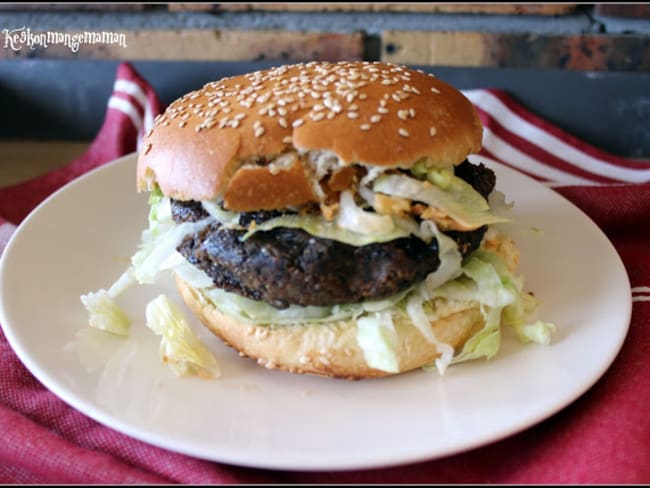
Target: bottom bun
330, 349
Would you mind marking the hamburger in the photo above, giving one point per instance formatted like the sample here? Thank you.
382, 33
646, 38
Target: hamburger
324, 218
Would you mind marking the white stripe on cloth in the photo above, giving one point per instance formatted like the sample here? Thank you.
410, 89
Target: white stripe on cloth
6, 231
533, 134
640, 289
131, 88
127, 108
513, 156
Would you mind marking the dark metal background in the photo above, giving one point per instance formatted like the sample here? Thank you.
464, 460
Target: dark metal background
66, 99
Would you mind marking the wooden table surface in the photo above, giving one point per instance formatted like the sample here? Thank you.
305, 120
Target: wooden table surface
21, 160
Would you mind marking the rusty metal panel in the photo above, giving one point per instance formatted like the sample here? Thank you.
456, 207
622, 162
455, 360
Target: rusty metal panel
597, 52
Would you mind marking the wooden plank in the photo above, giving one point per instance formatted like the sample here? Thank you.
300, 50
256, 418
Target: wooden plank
80, 7
435, 7
200, 45
25, 159
194, 7
597, 52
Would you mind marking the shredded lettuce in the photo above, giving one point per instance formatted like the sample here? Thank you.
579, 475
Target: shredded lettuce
319, 227
105, 314
516, 316
257, 312
352, 217
458, 199
179, 346
227, 218
486, 342
160, 213
441, 177
378, 340
154, 251
485, 280
352, 225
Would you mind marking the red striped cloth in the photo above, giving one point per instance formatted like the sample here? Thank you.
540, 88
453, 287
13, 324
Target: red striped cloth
603, 437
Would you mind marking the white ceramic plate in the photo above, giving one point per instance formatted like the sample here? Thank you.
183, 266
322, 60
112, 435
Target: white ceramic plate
81, 239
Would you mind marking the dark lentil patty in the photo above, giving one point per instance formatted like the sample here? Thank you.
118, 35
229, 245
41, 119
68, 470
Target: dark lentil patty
289, 266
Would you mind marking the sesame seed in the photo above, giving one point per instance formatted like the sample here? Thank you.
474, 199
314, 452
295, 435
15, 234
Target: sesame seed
435, 90
317, 116
182, 124
148, 148
318, 107
415, 90
353, 115
403, 114
353, 107
331, 103
382, 110
258, 131
364, 127
263, 98
411, 112
283, 122
297, 123
403, 132
375, 118
287, 140
363, 96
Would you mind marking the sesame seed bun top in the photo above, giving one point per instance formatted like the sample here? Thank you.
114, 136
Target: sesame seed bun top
367, 113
